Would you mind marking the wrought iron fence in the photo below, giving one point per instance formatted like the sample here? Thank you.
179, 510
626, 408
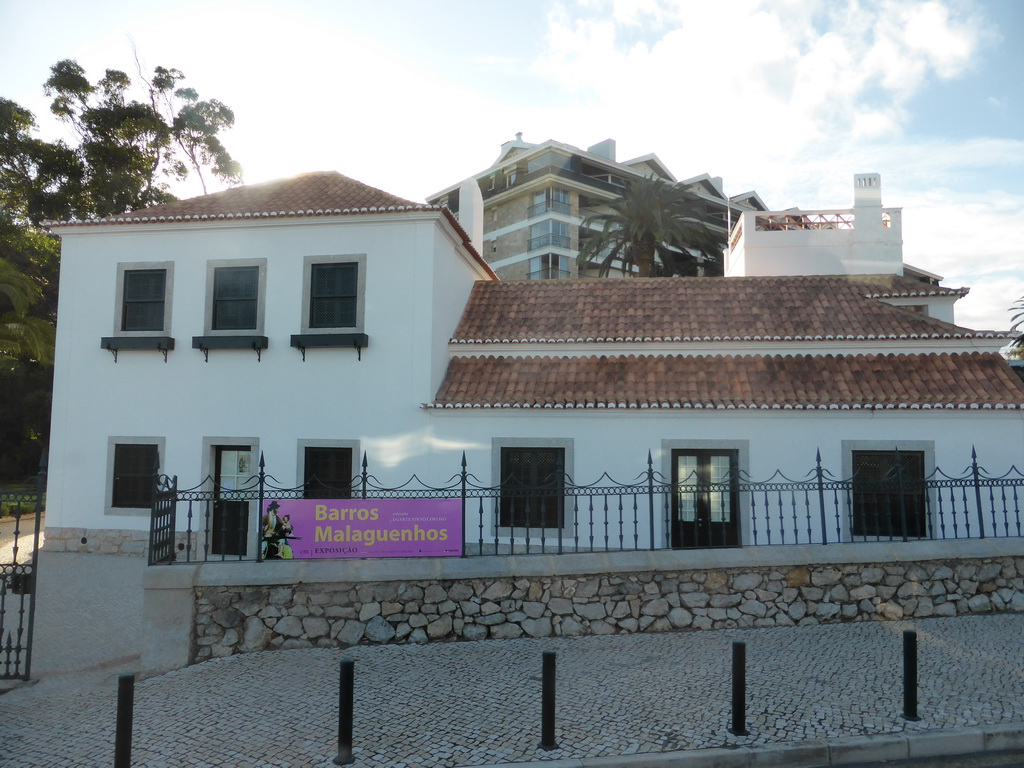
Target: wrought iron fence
21, 514
554, 515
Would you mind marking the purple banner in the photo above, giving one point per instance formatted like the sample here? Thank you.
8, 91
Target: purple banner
338, 528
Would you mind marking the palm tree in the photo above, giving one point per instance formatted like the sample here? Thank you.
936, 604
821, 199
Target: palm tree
652, 230
21, 334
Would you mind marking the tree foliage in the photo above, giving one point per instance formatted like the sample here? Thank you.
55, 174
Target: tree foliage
129, 149
654, 229
22, 336
131, 138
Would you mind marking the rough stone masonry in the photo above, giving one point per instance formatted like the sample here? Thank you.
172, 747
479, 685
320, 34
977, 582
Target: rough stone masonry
244, 619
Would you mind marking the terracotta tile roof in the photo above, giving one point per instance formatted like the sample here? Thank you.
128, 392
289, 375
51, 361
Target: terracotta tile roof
971, 380
326, 193
700, 309
321, 193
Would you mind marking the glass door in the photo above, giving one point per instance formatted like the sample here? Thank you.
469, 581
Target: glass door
705, 508
232, 472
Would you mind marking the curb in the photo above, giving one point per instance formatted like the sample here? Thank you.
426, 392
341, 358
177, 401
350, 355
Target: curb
811, 754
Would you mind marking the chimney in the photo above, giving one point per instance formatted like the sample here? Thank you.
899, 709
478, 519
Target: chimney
471, 213
867, 190
604, 149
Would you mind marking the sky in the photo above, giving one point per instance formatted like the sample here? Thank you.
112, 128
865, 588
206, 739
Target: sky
790, 98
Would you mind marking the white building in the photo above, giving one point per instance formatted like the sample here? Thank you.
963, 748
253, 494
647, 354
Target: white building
314, 320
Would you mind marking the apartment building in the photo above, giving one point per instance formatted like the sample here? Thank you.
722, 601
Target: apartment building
535, 198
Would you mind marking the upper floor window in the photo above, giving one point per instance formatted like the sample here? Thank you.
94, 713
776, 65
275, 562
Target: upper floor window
549, 266
143, 298
235, 298
333, 293
550, 232
551, 199
549, 160
143, 303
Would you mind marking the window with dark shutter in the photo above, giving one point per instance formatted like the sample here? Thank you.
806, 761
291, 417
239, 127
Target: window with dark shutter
327, 473
532, 488
888, 494
235, 298
135, 469
333, 295
143, 300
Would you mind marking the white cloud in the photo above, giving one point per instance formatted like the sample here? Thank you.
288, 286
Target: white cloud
793, 98
769, 77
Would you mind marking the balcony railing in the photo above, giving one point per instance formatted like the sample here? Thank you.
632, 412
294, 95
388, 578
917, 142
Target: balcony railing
550, 205
793, 222
549, 240
549, 273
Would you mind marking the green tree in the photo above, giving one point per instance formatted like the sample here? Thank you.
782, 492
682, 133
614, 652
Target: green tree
129, 149
131, 139
654, 229
21, 334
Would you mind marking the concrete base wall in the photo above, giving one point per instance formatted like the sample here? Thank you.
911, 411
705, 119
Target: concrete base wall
197, 612
102, 541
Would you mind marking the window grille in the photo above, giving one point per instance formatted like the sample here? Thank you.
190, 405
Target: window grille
327, 473
532, 487
888, 495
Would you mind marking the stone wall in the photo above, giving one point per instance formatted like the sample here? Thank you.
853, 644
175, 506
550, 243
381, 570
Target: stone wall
102, 541
244, 618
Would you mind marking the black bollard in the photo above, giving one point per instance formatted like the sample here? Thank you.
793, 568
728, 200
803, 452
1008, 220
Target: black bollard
345, 689
123, 734
547, 705
739, 689
910, 675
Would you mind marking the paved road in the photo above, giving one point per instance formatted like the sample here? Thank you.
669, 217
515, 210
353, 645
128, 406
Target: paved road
26, 528
474, 704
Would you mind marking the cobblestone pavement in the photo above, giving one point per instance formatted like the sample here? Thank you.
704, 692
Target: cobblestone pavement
472, 704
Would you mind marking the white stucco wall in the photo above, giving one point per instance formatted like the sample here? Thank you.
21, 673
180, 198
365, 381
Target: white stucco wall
416, 285
866, 249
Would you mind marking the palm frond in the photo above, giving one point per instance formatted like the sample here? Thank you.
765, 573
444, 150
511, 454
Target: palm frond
654, 228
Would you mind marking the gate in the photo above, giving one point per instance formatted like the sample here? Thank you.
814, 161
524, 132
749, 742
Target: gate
21, 514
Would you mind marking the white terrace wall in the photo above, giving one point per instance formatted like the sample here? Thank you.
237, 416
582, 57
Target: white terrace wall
193, 613
867, 248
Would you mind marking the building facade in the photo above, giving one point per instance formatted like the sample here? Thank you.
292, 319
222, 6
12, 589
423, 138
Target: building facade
316, 321
536, 196
294, 328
